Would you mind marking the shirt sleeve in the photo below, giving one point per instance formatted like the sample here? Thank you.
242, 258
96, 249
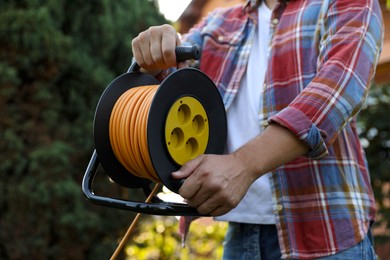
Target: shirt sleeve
351, 37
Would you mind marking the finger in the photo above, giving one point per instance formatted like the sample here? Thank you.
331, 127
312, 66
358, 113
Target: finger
146, 48
192, 184
211, 207
169, 41
219, 211
188, 168
198, 197
162, 45
207, 197
142, 50
156, 54
137, 52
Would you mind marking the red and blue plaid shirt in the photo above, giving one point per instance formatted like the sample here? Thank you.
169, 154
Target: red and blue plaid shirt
323, 56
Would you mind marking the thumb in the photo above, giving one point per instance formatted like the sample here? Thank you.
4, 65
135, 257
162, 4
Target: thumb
188, 168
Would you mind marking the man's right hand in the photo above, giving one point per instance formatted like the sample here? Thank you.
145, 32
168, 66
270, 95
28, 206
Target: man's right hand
154, 49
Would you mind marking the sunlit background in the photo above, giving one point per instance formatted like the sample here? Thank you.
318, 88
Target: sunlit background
172, 9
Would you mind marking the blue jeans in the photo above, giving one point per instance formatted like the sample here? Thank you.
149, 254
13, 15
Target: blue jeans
249, 242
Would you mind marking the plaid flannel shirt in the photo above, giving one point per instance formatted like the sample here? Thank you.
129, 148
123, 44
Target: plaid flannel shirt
322, 58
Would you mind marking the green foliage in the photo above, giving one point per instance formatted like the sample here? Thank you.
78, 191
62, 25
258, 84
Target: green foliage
56, 58
374, 125
158, 238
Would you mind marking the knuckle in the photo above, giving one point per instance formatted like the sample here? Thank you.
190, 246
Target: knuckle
215, 186
134, 42
231, 202
158, 30
167, 28
204, 176
183, 193
142, 35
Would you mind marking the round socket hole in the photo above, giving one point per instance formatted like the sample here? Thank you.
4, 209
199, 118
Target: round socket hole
183, 114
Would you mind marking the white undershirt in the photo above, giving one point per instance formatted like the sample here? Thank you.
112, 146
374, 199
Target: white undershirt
243, 125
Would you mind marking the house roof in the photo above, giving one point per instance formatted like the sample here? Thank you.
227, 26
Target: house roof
199, 8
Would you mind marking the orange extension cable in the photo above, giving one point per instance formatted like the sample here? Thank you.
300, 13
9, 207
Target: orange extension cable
127, 131
133, 224
128, 138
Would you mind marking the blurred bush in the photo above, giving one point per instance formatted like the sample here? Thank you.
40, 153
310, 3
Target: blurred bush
158, 238
374, 127
56, 58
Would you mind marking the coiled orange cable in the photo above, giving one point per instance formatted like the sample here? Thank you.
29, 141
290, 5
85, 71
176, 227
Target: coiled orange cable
128, 133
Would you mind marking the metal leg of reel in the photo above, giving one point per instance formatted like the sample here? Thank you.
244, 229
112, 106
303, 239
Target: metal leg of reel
159, 208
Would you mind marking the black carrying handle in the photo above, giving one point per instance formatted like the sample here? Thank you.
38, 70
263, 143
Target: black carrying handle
183, 53
159, 207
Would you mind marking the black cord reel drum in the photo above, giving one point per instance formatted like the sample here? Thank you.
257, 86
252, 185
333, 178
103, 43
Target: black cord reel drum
185, 118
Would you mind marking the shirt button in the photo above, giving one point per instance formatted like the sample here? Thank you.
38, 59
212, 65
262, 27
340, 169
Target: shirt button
275, 21
220, 38
279, 207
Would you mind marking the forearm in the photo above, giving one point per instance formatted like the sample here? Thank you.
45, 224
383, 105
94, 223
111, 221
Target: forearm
217, 183
275, 147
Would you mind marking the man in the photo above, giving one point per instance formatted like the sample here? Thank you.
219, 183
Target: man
293, 75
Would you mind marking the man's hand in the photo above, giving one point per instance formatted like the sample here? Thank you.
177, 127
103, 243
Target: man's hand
154, 49
215, 184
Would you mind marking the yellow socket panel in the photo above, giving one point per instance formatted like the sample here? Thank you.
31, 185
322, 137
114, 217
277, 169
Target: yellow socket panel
186, 130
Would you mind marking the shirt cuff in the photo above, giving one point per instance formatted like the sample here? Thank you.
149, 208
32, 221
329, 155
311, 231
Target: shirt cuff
302, 127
